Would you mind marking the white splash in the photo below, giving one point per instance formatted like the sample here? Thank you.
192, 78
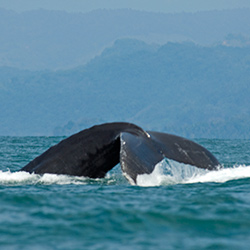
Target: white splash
223, 175
17, 177
24, 178
168, 172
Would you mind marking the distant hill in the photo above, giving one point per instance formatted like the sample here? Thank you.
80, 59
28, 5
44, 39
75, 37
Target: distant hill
181, 88
43, 39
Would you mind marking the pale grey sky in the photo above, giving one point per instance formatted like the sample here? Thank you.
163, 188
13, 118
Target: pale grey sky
147, 5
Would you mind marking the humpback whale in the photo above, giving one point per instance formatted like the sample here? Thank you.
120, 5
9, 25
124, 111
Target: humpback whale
94, 151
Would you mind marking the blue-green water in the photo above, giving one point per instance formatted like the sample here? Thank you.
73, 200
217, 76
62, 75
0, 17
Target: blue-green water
198, 211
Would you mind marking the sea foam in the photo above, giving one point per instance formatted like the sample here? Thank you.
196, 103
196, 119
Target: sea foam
166, 172
169, 172
25, 178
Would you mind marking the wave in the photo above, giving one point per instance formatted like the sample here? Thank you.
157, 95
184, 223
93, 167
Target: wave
25, 178
167, 172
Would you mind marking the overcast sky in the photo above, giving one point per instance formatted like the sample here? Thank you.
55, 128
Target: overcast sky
148, 5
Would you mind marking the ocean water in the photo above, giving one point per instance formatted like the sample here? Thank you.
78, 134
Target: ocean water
176, 207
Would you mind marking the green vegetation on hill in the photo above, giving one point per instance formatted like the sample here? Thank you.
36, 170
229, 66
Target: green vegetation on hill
180, 88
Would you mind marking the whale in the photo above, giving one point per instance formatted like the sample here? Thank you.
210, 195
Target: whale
95, 151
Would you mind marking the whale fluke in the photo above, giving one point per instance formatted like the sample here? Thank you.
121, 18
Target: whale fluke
138, 155
94, 151
183, 150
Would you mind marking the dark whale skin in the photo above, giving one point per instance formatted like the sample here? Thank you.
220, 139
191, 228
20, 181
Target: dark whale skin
94, 151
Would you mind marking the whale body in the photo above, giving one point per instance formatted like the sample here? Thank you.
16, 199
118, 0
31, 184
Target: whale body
96, 150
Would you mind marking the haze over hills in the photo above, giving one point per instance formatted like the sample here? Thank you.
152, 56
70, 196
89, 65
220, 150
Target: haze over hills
183, 73
181, 88
43, 39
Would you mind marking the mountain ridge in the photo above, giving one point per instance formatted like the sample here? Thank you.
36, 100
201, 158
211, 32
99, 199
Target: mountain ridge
179, 88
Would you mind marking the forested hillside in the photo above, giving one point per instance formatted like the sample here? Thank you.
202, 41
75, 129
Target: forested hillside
181, 88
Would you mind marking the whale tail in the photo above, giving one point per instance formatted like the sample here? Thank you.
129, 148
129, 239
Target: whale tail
94, 151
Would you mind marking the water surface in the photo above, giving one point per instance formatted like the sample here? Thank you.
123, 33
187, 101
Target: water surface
174, 208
